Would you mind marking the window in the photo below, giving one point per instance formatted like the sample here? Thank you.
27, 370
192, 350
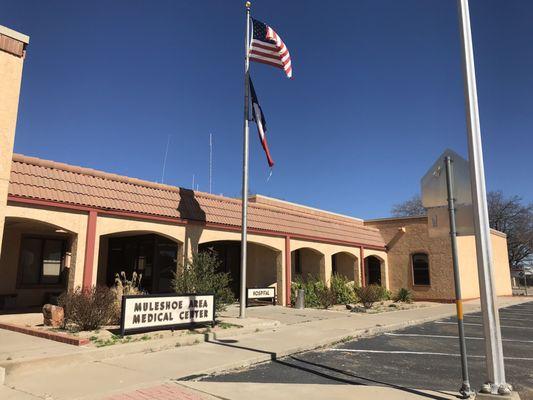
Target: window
420, 269
41, 261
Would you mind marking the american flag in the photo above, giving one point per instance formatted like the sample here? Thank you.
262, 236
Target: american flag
268, 48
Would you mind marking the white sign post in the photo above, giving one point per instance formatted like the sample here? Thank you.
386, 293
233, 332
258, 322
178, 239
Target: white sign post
152, 312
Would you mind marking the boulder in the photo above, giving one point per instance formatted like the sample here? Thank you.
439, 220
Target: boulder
53, 315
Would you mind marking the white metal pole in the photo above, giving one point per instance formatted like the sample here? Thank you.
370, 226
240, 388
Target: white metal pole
245, 166
491, 324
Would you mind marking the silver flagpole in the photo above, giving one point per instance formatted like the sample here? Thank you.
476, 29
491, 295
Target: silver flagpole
491, 323
245, 164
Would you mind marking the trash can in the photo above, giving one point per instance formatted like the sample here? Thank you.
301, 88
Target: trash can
300, 299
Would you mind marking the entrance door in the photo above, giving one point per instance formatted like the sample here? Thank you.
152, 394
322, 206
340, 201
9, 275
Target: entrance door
153, 256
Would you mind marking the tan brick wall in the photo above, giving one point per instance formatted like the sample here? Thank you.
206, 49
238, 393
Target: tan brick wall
416, 239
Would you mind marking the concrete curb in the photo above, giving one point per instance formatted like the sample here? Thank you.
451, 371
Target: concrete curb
84, 354
56, 337
26, 366
356, 334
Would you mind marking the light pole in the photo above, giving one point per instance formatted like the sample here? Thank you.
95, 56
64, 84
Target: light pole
495, 383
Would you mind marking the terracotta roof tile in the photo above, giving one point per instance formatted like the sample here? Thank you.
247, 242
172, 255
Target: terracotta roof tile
48, 180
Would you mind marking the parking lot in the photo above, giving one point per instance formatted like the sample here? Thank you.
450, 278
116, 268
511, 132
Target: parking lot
425, 356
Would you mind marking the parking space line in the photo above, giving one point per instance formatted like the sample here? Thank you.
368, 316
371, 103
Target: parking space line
515, 313
422, 353
450, 337
473, 324
504, 318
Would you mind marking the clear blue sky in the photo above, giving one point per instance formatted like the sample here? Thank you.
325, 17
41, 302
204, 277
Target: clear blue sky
377, 94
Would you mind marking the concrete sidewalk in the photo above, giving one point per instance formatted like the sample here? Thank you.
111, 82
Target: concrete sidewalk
119, 375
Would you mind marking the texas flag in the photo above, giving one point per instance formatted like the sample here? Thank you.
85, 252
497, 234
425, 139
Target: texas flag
259, 118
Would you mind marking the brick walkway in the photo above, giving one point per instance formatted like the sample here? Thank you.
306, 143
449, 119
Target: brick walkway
167, 391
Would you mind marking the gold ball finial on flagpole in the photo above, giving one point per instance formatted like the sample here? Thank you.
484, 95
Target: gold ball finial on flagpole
248, 5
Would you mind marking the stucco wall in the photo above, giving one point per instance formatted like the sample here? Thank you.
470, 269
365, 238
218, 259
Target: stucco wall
10, 80
468, 266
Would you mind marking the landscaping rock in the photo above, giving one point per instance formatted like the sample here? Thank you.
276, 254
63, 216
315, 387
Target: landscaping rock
53, 315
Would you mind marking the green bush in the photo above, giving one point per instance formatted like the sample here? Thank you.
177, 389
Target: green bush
89, 309
317, 294
325, 296
200, 275
343, 290
404, 295
312, 287
384, 293
368, 295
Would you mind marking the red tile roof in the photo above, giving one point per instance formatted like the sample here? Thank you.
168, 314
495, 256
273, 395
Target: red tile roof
57, 182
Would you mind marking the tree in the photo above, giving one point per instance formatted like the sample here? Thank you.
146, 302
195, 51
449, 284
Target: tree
201, 274
510, 216
409, 208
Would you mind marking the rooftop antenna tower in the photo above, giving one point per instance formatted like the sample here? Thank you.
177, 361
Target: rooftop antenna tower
165, 160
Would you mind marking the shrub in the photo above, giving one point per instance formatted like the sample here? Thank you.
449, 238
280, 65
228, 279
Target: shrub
368, 295
343, 290
384, 293
200, 275
88, 309
325, 296
317, 294
404, 295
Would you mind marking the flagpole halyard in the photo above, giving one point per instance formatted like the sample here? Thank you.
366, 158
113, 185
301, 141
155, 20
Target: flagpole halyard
242, 313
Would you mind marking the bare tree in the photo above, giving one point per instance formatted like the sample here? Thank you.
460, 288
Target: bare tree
510, 216
409, 208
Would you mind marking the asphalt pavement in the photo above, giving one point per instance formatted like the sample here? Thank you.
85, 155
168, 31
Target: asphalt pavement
421, 357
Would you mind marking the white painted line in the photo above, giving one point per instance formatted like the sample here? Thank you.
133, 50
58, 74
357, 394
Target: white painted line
504, 318
421, 353
470, 323
516, 313
451, 337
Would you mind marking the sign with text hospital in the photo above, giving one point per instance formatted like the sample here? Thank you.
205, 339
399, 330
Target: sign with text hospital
260, 294
152, 312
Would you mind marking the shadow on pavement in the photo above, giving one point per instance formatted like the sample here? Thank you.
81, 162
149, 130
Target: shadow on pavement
273, 357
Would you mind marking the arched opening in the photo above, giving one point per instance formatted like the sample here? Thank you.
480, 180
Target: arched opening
307, 263
151, 255
263, 263
345, 264
373, 270
37, 263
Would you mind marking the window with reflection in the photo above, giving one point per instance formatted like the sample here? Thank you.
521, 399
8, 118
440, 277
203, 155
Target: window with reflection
41, 260
420, 262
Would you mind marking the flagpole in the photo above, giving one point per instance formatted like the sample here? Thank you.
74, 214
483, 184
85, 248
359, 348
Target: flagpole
242, 313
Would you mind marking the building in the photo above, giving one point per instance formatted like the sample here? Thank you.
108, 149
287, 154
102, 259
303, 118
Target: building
63, 226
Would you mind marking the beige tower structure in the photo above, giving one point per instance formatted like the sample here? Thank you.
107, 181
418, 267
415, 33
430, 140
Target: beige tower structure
12, 51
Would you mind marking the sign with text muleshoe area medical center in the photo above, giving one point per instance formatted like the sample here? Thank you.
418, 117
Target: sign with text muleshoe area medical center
150, 312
